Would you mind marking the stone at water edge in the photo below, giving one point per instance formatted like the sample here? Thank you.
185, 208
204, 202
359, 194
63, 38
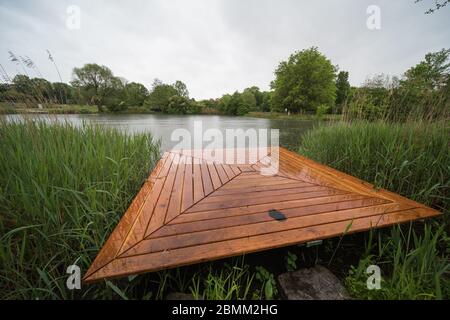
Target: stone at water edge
317, 283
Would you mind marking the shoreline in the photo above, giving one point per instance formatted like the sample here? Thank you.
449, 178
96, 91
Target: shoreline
92, 110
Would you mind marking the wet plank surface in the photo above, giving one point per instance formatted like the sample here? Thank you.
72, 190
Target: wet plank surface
197, 207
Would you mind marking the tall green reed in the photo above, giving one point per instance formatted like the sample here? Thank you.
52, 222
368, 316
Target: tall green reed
62, 190
411, 159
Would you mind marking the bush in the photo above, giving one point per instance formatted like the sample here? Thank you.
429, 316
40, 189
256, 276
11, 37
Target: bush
178, 105
362, 107
115, 105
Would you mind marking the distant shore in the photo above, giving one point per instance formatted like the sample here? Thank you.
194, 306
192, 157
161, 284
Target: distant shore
89, 109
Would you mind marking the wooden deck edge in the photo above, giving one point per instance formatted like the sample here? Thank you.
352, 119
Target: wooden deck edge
136, 205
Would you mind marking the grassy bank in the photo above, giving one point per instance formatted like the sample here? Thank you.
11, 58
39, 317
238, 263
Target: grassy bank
413, 160
62, 191
22, 108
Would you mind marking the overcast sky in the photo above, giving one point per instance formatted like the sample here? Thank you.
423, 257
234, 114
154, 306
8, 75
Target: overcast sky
217, 47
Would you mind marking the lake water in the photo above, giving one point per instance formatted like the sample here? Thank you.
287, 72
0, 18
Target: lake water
162, 126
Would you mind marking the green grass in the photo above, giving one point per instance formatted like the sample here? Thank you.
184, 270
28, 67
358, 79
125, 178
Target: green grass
414, 265
62, 190
232, 282
14, 108
411, 159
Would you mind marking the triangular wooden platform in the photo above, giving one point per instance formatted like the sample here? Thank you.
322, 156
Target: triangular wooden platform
194, 208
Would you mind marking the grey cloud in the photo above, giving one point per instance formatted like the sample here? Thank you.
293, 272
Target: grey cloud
219, 46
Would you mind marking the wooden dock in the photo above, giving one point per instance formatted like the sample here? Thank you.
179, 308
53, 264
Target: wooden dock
194, 208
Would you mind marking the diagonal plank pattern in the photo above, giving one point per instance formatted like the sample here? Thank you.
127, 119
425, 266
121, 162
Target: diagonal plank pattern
196, 207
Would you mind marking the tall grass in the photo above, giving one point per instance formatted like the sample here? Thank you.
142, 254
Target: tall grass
232, 282
414, 265
62, 190
412, 159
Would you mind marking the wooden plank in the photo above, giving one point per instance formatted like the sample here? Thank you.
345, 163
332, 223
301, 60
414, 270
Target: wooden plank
263, 181
328, 177
199, 194
206, 179
112, 247
272, 194
214, 175
210, 251
229, 172
246, 168
188, 191
246, 210
221, 172
257, 189
235, 169
198, 210
231, 203
176, 195
137, 231
263, 216
364, 207
159, 214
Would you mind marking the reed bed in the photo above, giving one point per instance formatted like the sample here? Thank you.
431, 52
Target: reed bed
412, 159
62, 190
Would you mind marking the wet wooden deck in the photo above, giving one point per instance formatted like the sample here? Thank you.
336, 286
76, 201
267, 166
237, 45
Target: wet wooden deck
194, 208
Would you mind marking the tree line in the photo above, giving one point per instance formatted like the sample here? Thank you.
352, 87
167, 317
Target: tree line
307, 82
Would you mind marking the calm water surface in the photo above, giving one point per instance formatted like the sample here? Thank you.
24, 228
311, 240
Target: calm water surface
162, 126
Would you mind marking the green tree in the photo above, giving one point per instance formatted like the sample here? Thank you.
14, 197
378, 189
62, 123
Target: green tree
236, 105
304, 82
371, 100
424, 90
249, 99
23, 84
196, 107
342, 89
211, 105
178, 104
95, 82
223, 103
159, 98
181, 88
266, 104
430, 74
36, 90
63, 93
4, 88
135, 94
258, 96
42, 89
115, 96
